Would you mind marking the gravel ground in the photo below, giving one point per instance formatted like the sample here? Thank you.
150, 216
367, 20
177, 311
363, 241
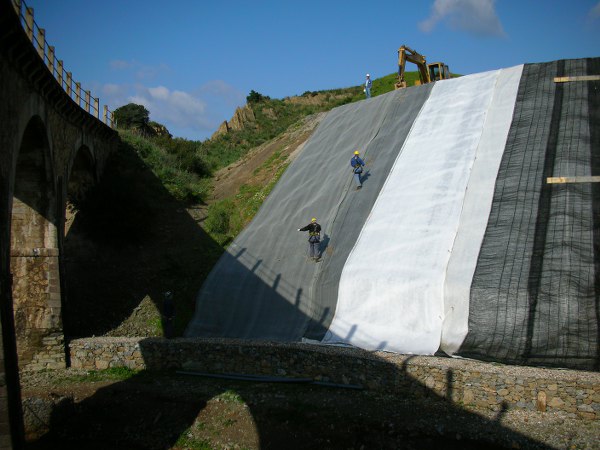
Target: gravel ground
73, 409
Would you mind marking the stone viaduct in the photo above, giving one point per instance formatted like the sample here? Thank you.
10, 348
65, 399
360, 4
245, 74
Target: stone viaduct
53, 146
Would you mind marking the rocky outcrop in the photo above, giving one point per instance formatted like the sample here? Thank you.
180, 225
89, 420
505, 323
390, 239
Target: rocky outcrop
243, 117
223, 128
159, 129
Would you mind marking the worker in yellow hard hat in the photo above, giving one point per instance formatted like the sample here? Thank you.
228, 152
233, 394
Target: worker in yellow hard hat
314, 239
357, 168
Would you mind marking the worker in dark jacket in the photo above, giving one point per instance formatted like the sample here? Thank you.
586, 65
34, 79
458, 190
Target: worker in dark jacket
357, 167
314, 238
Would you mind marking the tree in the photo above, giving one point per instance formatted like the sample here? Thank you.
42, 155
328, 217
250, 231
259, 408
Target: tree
255, 97
131, 116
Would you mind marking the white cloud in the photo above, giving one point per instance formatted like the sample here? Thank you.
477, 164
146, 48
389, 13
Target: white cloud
159, 92
174, 108
472, 16
195, 115
595, 12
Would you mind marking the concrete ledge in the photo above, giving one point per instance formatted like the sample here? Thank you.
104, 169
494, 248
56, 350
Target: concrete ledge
464, 382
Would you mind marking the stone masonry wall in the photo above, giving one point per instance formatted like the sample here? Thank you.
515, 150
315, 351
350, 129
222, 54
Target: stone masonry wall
464, 382
62, 128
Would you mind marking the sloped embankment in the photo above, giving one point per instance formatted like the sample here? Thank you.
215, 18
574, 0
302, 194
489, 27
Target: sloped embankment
457, 240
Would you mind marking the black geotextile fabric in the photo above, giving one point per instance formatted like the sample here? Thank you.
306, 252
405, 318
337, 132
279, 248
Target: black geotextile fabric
534, 295
264, 286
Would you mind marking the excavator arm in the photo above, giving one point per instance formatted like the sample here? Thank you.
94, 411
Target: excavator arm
427, 72
408, 54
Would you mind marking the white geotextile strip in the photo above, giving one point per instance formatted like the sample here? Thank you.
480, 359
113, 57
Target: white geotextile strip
391, 288
476, 209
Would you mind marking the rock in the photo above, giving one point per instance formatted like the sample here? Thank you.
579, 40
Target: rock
468, 397
541, 401
243, 117
223, 129
585, 408
39, 413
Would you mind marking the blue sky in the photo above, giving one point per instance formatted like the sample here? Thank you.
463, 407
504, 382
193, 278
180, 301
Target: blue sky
191, 63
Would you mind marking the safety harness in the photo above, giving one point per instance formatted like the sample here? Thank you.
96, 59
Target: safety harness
356, 164
313, 233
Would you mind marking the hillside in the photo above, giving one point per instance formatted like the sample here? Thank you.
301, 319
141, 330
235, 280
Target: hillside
465, 238
166, 208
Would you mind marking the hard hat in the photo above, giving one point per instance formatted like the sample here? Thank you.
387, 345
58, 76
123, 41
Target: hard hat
368, 75
356, 152
313, 220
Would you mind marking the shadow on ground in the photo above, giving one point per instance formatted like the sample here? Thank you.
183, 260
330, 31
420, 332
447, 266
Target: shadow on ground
168, 410
158, 409
130, 242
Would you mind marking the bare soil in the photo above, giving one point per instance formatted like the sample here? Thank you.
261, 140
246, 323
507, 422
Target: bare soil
289, 144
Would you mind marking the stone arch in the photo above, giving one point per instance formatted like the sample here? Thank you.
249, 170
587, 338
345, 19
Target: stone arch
81, 177
34, 244
78, 251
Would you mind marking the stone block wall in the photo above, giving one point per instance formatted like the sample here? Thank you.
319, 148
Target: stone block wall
37, 302
51, 354
464, 382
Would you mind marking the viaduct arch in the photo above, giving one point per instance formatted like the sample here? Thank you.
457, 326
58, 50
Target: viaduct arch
51, 151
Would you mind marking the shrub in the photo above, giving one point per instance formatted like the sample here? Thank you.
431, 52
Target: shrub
219, 217
180, 172
255, 97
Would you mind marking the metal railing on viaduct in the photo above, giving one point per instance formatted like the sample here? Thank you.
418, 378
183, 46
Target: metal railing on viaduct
54, 144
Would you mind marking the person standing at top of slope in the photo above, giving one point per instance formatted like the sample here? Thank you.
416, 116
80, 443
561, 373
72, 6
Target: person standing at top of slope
368, 84
357, 167
314, 238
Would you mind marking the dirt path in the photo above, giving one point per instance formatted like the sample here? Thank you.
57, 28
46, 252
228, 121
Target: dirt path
290, 143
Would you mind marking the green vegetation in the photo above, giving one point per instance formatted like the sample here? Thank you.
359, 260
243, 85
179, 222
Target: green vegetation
131, 116
386, 84
187, 441
226, 218
231, 397
178, 163
155, 324
255, 97
273, 117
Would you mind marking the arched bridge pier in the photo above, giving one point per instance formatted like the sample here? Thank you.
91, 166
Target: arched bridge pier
51, 151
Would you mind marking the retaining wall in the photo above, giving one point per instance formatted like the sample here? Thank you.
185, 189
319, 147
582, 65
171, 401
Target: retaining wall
464, 382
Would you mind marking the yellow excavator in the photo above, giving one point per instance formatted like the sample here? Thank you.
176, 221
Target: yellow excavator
427, 72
